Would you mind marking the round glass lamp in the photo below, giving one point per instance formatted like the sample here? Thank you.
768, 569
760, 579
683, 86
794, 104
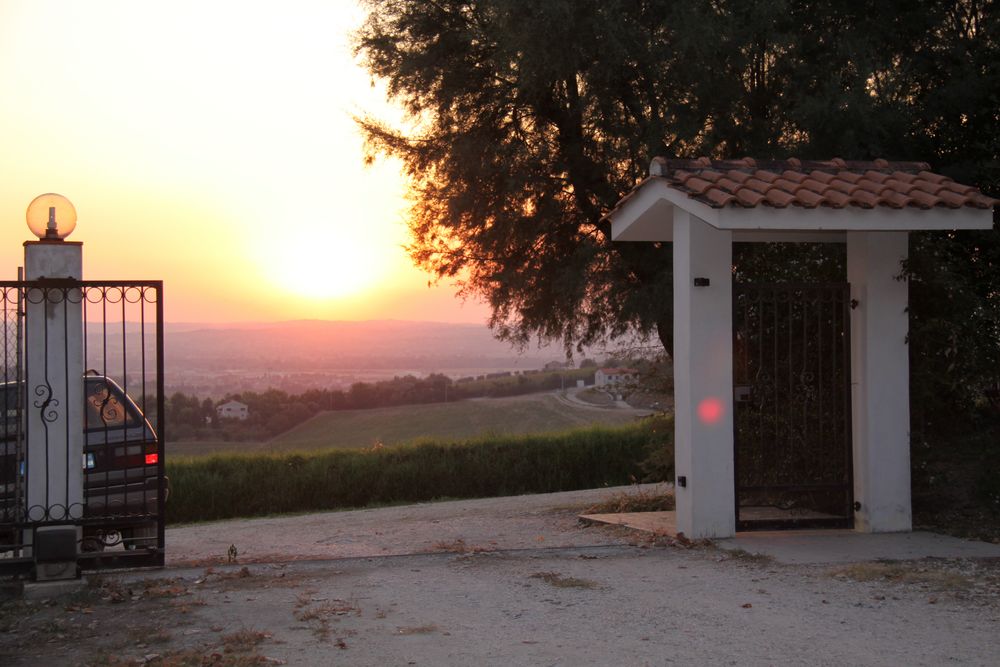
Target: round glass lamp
51, 217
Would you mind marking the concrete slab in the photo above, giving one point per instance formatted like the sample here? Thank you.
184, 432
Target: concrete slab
815, 547
848, 546
660, 523
46, 590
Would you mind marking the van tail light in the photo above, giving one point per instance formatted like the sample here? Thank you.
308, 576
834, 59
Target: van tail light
152, 459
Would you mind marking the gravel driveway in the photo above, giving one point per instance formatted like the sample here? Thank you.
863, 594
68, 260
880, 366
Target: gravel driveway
517, 522
548, 592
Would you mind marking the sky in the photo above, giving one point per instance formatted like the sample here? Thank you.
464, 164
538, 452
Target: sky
211, 145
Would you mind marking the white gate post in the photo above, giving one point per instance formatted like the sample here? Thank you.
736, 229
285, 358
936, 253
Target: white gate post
703, 378
53, 391
880, 382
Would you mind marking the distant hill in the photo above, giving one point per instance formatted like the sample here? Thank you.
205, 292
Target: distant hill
375, 344
219, 359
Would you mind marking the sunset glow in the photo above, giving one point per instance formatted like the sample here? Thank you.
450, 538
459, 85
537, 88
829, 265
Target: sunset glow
211, 145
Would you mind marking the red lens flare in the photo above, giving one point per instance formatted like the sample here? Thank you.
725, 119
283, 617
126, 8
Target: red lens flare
710, 410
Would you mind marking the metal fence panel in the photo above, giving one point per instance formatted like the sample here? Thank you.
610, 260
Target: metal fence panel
792, 405
118, 420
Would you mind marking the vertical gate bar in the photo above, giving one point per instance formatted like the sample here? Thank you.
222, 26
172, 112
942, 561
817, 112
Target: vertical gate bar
108, 450
845, 299
790, 388
124, 383
22, 397
66, 394
161, 433
124, 342
774, 370
45, 365
84, 297
738, 366
142, 348
820, 307
759, 296
807, 295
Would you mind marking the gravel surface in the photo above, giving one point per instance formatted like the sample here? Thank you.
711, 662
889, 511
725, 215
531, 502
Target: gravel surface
623, 599
517, 522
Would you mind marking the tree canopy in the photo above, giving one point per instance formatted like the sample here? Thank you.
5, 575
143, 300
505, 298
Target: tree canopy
528, 120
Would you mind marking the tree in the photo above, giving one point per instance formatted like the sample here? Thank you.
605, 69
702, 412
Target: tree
529, 120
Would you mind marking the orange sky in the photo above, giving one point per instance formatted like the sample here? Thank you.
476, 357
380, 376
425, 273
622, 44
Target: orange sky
210, 144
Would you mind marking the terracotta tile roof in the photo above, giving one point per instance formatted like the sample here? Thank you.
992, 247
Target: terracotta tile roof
810, 184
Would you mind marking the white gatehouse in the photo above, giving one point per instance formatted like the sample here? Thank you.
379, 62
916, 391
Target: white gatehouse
702, 207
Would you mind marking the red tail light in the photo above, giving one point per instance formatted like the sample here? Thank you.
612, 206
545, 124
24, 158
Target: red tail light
152, 459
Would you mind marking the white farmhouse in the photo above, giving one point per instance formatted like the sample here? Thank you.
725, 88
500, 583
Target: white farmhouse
232, 410
615, 377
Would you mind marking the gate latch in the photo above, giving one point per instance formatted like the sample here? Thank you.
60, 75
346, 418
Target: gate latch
741, 394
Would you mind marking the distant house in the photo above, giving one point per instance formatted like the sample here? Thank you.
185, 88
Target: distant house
615, 377
232, 410
558, 365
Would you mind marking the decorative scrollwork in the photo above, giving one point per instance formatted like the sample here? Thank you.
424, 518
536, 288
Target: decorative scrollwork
46, 404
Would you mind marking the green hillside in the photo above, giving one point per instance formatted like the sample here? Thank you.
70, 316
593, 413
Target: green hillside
535, 413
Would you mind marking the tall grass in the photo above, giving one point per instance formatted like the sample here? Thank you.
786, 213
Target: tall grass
221, 487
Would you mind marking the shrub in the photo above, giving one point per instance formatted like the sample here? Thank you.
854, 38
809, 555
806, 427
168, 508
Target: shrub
221, 487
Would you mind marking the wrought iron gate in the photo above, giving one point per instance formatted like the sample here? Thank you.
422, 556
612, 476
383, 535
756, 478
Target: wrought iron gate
791, 367
124, 488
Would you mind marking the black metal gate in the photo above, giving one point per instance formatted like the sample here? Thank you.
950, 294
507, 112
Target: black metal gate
791, 367
120, 328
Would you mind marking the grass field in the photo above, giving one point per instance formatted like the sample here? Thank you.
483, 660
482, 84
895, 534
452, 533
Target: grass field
534, 413
209, 447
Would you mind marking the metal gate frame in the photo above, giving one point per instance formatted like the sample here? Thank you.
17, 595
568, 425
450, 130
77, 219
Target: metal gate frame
820, 430
122, 326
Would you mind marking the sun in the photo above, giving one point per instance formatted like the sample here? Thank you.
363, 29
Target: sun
324, 268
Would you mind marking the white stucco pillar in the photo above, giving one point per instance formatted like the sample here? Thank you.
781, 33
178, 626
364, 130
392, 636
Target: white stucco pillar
880, 381
703, 378
53, 367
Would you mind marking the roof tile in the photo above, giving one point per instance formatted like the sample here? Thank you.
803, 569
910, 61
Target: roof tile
842, 186
837, 199
833, 183
728, 184
757, 184
779, 198
924, 199
896, 199
951, 199
865, 199
719, 198
796, 176
932, 177
697, 185
808, 198
874, 187
748, 197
